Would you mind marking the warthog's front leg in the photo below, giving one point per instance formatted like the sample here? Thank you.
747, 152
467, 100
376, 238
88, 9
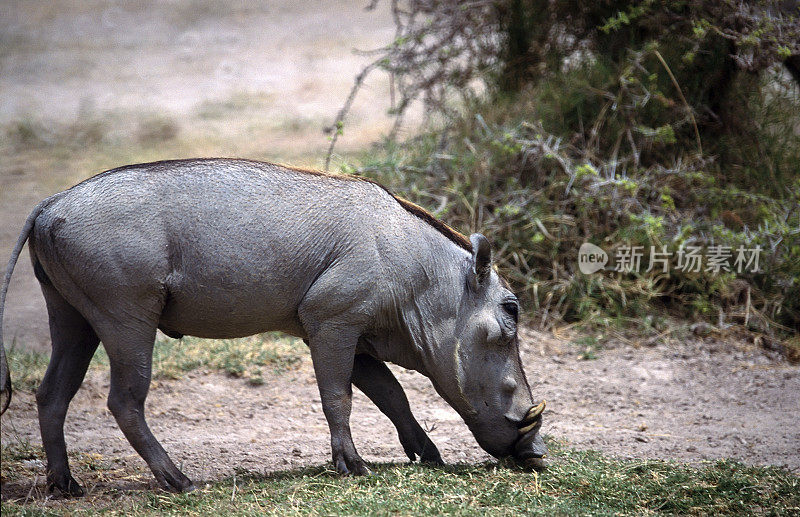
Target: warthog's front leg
332, 353
378, 383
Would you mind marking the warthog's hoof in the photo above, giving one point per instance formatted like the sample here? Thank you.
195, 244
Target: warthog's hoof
431, 458
356, 468
423, 448
174, 482
66, 487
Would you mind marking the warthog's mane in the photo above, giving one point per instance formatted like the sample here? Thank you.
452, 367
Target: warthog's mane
414, 209
442, 227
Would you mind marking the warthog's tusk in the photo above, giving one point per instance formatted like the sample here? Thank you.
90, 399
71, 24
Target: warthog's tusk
523, 430
530, 419
534, 412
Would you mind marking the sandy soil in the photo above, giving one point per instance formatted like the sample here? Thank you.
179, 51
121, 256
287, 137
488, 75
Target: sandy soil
691, 402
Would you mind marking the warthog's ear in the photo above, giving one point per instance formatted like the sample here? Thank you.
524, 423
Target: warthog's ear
481, 259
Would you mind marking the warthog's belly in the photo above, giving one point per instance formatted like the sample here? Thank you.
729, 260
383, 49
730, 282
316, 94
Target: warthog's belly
234, 312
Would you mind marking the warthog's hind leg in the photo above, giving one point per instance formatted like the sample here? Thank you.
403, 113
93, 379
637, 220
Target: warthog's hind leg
74, 342
378, 383
130, 352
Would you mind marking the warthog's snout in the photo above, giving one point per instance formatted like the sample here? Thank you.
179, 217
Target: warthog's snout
530, 448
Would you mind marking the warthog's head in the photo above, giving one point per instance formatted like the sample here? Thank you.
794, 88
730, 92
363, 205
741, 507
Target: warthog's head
483, 378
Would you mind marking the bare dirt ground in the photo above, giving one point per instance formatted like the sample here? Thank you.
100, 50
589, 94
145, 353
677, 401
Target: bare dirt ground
260, 80
690, 402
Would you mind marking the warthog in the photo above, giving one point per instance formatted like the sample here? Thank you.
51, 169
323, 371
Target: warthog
228, 248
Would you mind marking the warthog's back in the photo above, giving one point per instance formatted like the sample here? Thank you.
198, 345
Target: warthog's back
227, 247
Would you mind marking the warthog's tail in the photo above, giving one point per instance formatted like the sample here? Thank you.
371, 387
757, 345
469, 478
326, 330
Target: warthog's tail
5, 375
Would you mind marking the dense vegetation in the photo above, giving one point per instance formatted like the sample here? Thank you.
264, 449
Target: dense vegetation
551, 124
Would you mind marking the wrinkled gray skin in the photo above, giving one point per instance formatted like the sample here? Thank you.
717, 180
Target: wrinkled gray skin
230, 248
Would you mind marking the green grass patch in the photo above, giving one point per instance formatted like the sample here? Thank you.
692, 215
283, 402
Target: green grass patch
27, 367
578, 482
247, 358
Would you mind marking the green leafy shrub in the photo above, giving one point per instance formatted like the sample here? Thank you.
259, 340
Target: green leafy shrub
540, 198
622, 124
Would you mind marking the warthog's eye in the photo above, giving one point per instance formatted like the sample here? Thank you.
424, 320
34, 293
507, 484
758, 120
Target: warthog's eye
512, 309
